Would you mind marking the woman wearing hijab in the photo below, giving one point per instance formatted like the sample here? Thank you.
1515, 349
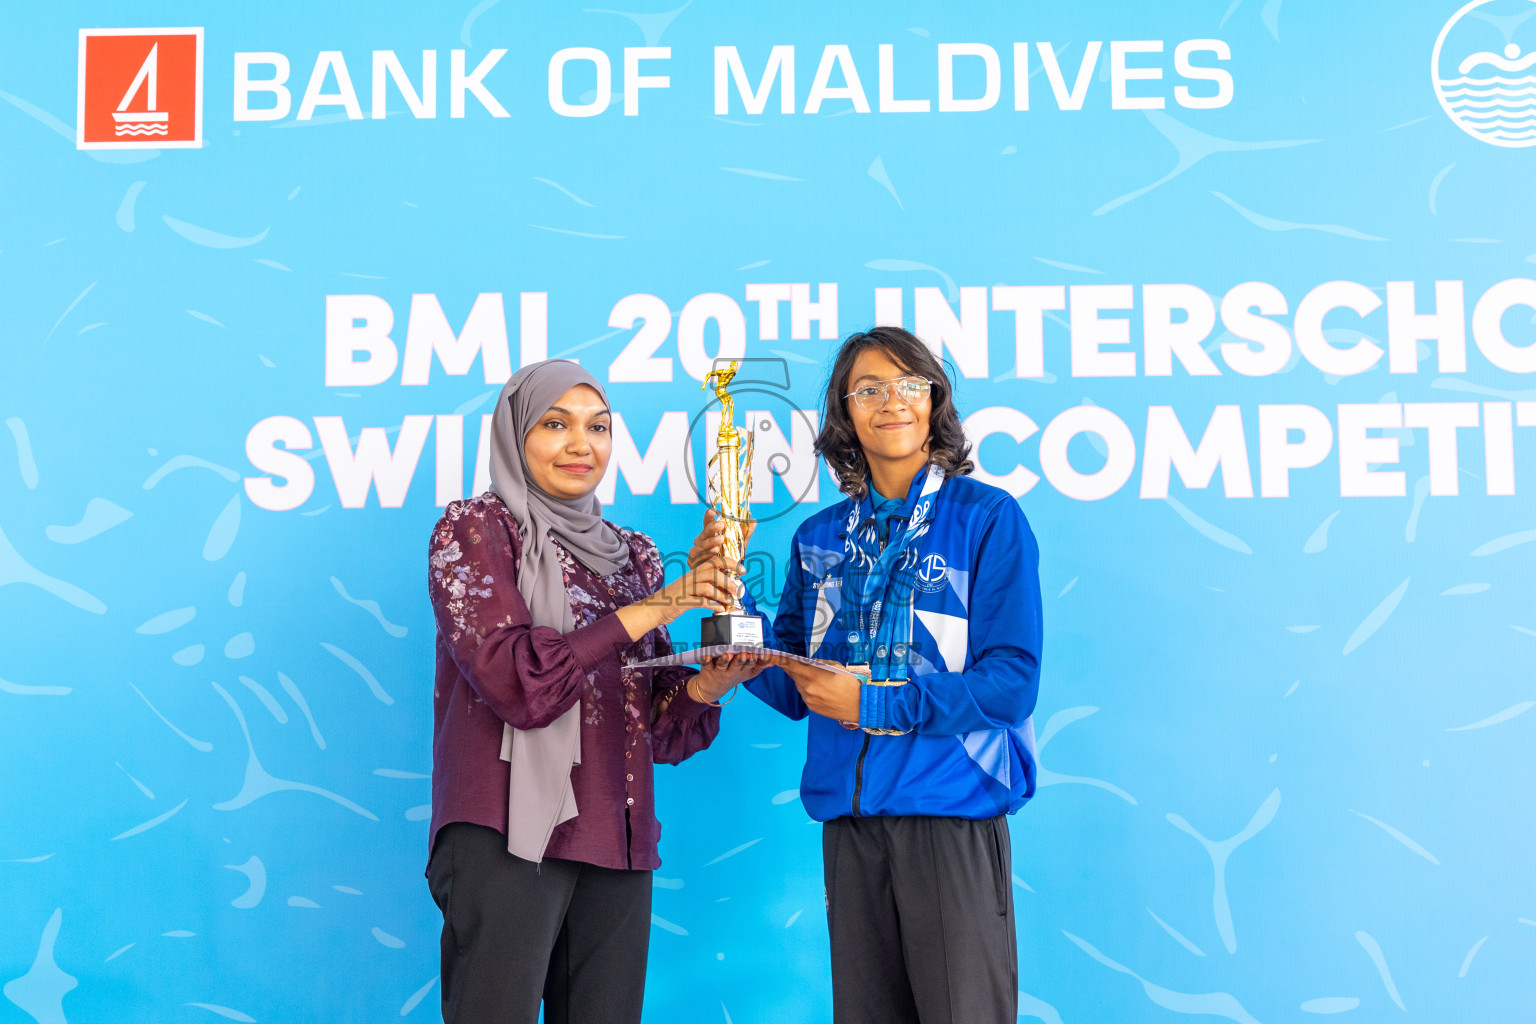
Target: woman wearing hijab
544, 831
922, 587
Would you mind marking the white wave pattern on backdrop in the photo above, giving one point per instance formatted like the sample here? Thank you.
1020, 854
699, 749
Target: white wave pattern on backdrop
1494, 107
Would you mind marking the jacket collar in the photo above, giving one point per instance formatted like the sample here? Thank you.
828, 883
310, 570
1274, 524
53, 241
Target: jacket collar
866, 504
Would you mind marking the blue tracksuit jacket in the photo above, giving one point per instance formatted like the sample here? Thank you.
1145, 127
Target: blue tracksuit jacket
976, 637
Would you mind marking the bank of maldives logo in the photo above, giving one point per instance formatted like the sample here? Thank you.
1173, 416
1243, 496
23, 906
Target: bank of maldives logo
1482, 69
140, 88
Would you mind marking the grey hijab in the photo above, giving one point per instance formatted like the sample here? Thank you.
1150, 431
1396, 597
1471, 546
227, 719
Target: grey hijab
541, 796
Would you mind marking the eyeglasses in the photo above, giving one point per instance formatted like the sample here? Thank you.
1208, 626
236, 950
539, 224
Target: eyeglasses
907, 390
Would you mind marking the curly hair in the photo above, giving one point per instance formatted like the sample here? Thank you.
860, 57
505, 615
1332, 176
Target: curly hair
838, 442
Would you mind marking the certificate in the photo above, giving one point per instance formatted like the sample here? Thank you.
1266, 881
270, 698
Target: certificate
697, 656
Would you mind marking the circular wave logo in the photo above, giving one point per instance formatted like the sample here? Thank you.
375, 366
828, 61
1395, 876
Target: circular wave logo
1482, 69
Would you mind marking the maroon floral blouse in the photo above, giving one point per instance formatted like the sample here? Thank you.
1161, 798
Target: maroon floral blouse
495, 666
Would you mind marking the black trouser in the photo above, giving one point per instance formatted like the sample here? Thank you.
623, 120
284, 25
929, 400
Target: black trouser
572, 934
920, 911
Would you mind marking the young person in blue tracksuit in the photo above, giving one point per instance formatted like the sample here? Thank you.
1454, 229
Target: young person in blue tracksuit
924, 583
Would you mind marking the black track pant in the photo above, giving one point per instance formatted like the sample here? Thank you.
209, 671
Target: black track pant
920, 911
571, 934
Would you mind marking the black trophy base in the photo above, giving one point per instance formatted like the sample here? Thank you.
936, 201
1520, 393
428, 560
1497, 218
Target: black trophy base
735, 628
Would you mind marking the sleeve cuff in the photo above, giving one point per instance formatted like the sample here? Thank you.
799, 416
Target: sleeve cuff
592, 644
874, 706
684, 706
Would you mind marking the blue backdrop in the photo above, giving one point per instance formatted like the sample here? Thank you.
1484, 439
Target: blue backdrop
1286, 751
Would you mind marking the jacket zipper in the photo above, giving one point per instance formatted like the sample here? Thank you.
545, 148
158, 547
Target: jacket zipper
858, 776
858, 768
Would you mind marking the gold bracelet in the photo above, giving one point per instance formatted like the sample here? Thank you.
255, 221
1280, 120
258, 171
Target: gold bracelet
707, 703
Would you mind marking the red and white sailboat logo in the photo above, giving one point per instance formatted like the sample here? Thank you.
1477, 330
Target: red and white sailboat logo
140, 88
150, 121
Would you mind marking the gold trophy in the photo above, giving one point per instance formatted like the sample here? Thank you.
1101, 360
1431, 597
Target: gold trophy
729, 491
